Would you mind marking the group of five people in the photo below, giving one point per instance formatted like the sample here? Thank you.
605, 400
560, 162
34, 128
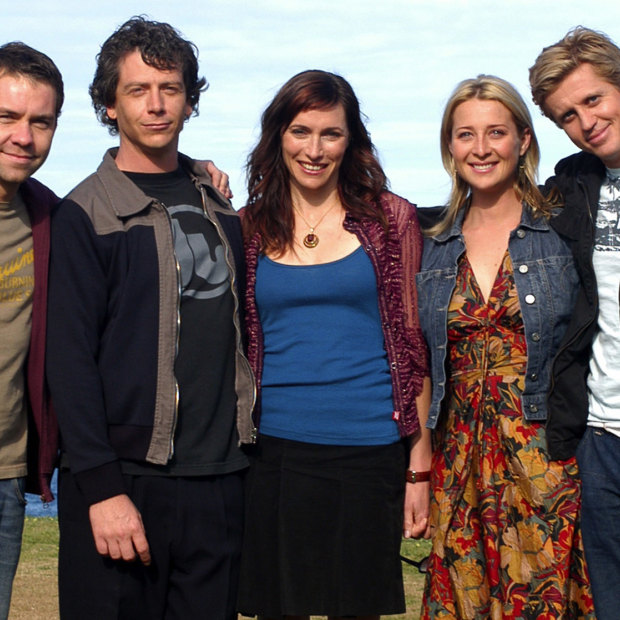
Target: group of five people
460, 385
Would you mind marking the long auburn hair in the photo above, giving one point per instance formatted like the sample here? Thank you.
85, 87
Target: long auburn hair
361, 180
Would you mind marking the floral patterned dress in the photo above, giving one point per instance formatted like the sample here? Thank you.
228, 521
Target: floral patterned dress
506, 538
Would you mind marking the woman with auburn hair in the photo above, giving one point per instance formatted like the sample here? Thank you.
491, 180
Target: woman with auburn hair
496, 291
340, 364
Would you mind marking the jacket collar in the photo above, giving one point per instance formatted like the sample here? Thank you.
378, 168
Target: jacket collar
127, 199
528, 220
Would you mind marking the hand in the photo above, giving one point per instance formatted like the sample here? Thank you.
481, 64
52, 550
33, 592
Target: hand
118, 530
219, 178
417, 505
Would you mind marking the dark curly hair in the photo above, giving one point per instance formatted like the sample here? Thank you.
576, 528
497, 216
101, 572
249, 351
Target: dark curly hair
360, 181
17, 58
160, 45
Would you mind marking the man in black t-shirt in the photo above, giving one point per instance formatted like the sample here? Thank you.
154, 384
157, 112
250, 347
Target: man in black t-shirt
146, 367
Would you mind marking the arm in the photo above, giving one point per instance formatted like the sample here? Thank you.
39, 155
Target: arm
417, 496
77, 314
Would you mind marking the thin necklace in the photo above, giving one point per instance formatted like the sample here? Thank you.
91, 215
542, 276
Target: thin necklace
311, 240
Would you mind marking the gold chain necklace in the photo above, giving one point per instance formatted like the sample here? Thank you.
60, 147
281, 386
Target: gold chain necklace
311, 240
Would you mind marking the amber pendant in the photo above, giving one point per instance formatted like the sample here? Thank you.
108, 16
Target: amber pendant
311, 240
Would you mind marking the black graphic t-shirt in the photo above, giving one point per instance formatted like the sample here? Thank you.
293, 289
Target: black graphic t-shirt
205, 440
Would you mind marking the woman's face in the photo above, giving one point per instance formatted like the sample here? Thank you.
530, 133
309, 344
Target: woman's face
486, 145
313, 147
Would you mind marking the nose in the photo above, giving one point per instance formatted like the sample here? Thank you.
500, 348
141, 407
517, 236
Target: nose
22, 133
481, 146
587, 119
314, 147
155, 101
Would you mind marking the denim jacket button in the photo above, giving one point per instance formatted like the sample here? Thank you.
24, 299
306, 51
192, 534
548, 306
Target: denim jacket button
523, 268
530, 299
533, 408
534, 377
535, 336
520, 233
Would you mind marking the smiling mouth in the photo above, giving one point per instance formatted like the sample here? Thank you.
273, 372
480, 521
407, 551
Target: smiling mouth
482, 167
24, 158
157, 126
312, 167
595, 139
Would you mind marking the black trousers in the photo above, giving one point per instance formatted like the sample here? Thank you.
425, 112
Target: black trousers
193, 526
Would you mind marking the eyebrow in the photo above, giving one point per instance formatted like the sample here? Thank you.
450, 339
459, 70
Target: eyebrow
160, 85
302, 126
39, 117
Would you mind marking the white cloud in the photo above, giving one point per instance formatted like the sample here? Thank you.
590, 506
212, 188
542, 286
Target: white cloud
403, 58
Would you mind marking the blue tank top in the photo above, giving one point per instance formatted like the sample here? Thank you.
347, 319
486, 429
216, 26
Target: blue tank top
326, 375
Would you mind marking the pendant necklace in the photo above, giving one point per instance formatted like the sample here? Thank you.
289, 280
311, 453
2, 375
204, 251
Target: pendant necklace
311, 240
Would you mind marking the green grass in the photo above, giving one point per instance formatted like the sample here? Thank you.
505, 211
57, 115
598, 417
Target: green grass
35, 593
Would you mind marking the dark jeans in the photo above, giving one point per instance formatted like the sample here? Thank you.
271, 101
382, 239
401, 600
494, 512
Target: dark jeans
194, 528
598, 456
12, 506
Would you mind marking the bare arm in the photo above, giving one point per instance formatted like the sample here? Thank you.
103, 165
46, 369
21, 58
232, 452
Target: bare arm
417, 496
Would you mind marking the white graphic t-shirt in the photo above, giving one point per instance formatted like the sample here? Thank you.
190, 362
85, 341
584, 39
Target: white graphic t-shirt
604, 378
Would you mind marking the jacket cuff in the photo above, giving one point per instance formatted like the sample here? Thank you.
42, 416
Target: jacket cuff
101, 482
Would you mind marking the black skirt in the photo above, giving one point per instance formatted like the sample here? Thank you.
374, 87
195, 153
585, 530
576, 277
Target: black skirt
323, 530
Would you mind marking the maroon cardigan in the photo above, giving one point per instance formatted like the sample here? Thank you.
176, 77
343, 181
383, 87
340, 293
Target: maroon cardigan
42, 424
396, 258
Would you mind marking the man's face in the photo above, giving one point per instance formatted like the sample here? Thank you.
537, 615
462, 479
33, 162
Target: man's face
27, 125
150, 109
587, 108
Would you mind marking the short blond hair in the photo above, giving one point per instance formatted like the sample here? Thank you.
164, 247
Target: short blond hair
579, 46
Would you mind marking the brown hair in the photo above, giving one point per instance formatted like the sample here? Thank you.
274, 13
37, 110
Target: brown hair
361, 179
17, 58
160, 45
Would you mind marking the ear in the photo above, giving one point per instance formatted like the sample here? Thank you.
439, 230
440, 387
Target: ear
526, 139
188, 110
111, 111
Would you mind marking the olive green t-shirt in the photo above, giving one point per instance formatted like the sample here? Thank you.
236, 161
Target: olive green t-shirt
16, 287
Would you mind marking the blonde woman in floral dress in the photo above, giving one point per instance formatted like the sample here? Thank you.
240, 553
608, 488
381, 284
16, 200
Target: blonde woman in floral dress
496, 291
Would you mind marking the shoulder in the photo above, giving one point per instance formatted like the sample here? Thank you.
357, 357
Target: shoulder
198, 172
399, 211
576, 165
38, 196
429, 216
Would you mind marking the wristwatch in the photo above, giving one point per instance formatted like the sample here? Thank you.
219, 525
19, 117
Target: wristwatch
414, 476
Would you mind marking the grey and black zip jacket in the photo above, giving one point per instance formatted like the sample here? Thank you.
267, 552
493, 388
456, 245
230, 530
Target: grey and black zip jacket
113, 321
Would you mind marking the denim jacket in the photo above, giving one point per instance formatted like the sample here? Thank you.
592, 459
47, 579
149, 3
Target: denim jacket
546, 282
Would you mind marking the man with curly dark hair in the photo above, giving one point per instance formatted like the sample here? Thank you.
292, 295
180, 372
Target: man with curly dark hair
146, 365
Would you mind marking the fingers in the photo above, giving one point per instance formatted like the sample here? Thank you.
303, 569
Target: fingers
118, 530
219, 178
416, 511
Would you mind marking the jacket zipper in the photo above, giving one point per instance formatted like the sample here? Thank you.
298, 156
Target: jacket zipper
233, 287
177, 335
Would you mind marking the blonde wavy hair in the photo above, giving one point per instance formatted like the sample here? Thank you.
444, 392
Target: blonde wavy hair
491, 88
579, 46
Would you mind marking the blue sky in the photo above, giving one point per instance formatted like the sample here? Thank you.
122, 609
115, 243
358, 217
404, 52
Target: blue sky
402, 57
